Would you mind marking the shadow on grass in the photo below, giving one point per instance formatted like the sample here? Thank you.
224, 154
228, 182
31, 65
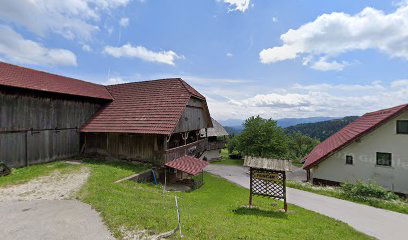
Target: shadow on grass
137, 167
260, 212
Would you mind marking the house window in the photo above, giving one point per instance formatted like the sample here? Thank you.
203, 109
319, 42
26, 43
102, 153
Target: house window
402, 126
349, 160
384, 159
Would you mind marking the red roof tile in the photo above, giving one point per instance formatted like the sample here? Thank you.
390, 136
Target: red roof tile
144, 107
355, 130
15, 76
188, 164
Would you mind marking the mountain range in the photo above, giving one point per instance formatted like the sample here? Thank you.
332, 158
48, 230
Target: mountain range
316, 127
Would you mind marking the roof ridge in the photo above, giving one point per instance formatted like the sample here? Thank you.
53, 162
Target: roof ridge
143, 81
49, 73
322, 150
385, 110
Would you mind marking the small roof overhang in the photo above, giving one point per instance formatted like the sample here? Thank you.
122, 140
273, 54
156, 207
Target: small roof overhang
188, 164
269, 164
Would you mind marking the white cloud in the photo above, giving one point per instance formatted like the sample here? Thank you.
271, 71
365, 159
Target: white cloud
127, 50
323, 65
115, 80
238, 5
343, 87
86, 48
330, 35
274, 100
69, 18
399, 83
274, 19
124, 22
301, 100
229, 54
17, 49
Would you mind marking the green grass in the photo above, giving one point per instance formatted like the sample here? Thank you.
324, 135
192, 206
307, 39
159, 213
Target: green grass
400, 206
214, 211
228, 161
22, 175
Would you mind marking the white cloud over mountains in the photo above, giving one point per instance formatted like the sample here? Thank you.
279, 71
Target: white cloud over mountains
17, 49
330, 35
301, 100
127, 50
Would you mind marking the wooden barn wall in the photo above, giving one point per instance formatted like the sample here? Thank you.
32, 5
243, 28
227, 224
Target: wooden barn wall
36, 129
19, 111
136, 147
194, 117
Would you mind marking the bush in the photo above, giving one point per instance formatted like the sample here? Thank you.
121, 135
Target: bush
366, 191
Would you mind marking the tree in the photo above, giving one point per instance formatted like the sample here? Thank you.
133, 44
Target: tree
262, 138
300, 145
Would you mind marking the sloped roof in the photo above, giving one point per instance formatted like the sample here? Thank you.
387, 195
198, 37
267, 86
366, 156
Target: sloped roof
15, 76
216, 131
188, 164
149, 107
269, 164
355, 130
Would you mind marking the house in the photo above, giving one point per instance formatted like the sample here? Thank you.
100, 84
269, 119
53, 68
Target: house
216, 141
372, 148
46, 117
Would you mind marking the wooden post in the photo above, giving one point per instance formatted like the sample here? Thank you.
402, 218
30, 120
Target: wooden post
26, 148
250, 187
285, 204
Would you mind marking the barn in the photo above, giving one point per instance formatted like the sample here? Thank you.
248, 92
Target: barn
45, 117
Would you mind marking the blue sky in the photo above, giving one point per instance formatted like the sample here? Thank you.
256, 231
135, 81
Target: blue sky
278, 58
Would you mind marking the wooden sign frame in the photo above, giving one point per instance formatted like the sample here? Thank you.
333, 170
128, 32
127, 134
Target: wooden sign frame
268, 183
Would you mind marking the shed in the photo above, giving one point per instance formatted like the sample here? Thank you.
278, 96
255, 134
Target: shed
216, 140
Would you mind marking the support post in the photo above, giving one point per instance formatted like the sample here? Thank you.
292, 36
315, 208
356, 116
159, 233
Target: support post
250, 187
26, 148
285, 204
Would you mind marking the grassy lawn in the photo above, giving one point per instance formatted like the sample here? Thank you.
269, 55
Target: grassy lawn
22, 175
228, 161
396, 206
212, 212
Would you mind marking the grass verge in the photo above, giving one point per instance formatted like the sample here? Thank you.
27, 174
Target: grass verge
214, 211
23, 175
400, 206
225, 160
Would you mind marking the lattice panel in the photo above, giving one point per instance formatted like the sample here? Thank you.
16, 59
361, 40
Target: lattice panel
268, 183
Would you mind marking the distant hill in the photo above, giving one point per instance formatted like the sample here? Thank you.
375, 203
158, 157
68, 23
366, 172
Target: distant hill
287, 122
233, 130
234, 126
321, 130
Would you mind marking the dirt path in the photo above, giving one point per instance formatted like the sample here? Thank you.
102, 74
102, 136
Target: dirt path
57, 186
39, 210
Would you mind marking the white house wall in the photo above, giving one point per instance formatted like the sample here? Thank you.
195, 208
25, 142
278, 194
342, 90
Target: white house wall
383, 139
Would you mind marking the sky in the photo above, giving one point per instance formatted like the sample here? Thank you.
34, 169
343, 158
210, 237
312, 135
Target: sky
277, 59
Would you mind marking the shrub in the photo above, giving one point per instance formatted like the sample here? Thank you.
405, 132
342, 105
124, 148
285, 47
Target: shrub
366, 191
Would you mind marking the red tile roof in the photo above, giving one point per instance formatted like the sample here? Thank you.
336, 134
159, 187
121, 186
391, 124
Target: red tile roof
355, 130
144, 107
15, 76
188, 164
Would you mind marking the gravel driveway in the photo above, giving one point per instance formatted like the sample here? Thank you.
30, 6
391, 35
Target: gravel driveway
42, 209
379, 223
